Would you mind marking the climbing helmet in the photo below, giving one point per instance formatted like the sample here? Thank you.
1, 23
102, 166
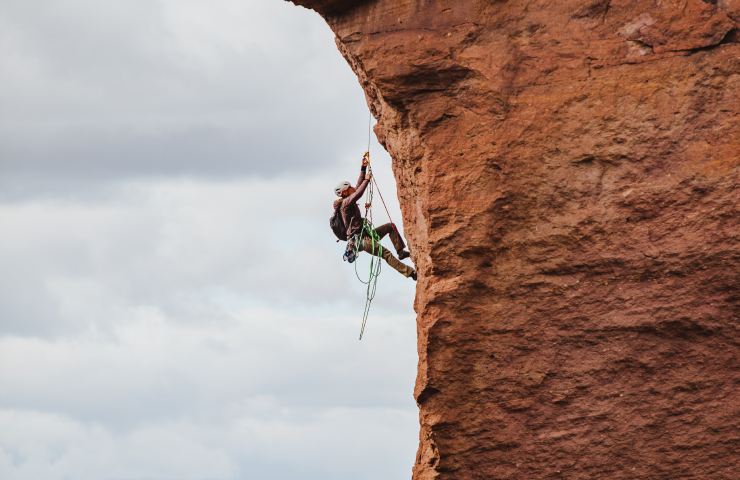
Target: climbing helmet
341, 187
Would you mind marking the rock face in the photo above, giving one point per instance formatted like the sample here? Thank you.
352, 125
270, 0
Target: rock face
568, 178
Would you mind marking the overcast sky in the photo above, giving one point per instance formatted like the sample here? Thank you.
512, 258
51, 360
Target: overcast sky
172, 302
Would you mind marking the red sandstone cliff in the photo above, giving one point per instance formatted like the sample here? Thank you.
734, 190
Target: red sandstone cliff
568, 178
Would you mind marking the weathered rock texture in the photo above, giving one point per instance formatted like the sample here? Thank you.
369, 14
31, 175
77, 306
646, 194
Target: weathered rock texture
568, 178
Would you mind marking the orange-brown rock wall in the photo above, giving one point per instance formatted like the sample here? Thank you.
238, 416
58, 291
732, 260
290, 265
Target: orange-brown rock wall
568, 178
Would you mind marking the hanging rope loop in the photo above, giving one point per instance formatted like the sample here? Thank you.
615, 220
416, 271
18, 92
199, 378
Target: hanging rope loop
369, 235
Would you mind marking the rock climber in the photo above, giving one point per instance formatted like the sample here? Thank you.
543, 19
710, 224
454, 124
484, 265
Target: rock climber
347, 210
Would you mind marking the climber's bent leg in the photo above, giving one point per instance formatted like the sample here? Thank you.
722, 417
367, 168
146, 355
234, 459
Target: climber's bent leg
392, 230
397, 264
377, 250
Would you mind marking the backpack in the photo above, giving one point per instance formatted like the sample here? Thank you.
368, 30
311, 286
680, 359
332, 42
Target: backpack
337, 224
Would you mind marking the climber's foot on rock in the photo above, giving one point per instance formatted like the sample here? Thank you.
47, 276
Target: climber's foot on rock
413, 275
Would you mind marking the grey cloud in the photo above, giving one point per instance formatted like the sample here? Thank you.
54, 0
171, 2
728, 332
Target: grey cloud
93, 153
94, 91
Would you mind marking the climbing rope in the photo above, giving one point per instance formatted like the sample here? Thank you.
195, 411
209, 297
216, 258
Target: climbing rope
369, 232
383, 202
376, 253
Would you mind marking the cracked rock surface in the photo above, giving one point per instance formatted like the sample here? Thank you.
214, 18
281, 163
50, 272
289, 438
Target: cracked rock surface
568, 178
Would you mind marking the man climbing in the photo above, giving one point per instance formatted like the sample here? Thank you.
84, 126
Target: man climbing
348, 211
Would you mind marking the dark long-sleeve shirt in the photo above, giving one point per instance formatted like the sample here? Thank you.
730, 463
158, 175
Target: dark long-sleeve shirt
351, 215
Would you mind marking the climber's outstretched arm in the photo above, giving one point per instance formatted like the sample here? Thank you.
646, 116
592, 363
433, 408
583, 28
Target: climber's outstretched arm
363, 170
360, 190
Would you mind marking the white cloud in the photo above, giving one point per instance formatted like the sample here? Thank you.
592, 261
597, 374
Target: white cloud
147, 363
37, 445
42, 446
269, 393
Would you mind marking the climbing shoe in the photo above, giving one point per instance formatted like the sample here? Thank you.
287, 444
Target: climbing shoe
403, 254
349, 256
413, 275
